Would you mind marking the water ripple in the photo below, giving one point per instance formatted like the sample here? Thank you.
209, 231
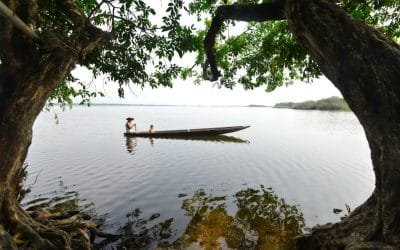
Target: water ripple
316, 160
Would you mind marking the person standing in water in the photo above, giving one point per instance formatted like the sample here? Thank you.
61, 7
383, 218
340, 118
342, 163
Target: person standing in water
130, 125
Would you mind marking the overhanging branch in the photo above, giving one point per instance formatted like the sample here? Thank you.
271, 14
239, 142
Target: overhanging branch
17, 22
73, 12
240, 12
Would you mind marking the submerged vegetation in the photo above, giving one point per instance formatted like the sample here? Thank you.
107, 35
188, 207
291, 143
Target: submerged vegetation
331, 103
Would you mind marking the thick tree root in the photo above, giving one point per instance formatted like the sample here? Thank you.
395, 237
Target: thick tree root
41, 229
353, 232
6, 242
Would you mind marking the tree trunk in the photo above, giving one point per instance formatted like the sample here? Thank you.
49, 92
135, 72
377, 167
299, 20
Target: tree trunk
29, 72
26, 85
365, 66
25, 91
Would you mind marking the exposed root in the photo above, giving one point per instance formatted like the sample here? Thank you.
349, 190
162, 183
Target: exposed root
353, 232
42, 229
6, 242
353, 228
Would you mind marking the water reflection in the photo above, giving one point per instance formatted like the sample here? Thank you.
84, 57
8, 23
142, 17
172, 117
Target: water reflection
151, 141
212, 138
141, 233
262, 221
131, 141
131, 144
60, 200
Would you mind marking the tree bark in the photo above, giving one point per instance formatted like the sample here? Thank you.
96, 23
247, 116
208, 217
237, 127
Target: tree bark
239, 12
19, 110
29, 72
364, 65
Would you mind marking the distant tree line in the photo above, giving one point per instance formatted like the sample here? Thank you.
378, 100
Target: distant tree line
331, 103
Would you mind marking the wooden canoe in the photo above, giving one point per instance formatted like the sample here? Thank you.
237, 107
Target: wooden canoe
188, 132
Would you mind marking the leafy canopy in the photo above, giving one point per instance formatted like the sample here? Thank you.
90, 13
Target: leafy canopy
142, 51
266, 54
148, 38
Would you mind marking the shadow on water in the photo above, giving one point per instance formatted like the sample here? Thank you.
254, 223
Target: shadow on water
131, 141
262, 221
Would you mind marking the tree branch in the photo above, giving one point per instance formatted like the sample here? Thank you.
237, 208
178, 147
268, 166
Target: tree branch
113, 16
72, 11
240, 12
98, 7
85, 36
18, 23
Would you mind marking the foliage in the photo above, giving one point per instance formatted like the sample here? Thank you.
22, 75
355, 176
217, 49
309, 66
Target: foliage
145, 47
72, 88
142, 51
266, 54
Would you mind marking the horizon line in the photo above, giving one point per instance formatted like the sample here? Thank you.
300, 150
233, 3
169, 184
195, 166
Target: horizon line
170, 105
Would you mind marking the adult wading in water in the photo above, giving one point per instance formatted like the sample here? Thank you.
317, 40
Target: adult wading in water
364, 65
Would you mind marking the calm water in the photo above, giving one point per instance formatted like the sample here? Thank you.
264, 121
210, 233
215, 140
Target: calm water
315, 161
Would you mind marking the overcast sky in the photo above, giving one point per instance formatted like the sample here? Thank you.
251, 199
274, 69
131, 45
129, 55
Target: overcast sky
187, 93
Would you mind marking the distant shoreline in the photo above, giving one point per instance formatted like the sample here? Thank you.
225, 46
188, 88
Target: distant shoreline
329, 104
174, 105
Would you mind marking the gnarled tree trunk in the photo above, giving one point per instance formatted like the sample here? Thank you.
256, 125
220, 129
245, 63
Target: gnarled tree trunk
29, 88
29, 71
364, 65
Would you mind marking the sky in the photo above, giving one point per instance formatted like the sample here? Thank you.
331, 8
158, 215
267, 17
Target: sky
205, 94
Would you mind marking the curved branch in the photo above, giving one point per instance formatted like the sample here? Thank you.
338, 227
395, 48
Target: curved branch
113, 16
240, 12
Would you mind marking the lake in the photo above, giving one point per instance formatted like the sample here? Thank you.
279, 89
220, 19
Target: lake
288, 170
